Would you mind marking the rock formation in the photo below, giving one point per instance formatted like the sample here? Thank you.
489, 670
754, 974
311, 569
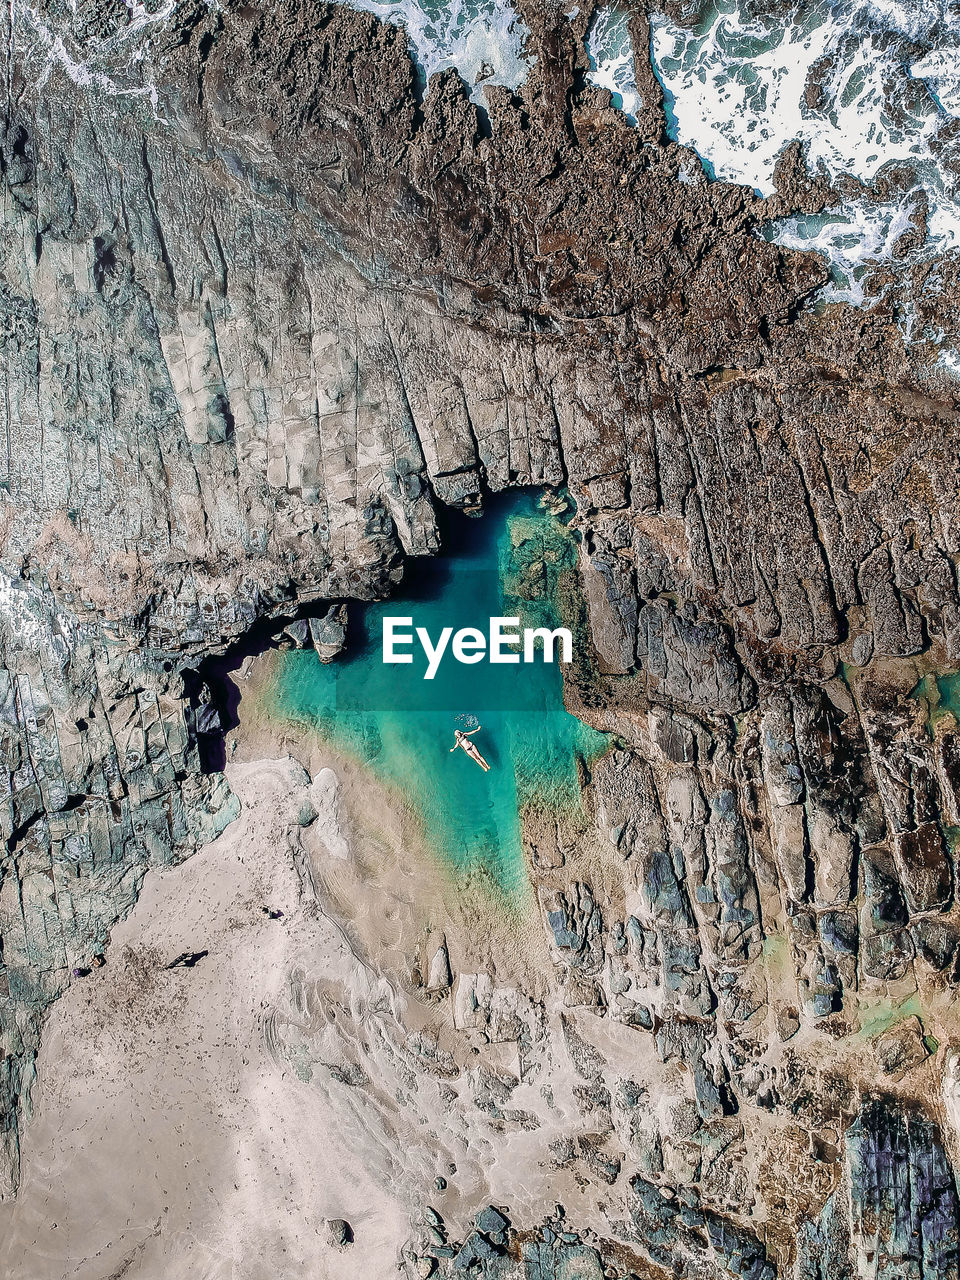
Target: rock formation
267, 307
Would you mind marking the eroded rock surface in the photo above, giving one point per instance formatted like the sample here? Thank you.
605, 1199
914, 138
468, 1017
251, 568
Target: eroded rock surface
259, 323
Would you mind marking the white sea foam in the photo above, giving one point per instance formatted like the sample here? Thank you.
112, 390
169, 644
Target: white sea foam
484, 40
914, 18
940, 68
610, 50
850, 237
738, 95
845, 80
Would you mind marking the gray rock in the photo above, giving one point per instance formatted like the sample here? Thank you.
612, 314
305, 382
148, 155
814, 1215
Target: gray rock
903, 1192
476, 1248
902, 1048
329, 632
490, 1220
298, 632
339, 1232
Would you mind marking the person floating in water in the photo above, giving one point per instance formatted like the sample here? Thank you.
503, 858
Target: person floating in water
463, 740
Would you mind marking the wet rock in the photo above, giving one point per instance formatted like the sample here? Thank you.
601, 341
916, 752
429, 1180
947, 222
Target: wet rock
904, 1207
936, 940
550, 1260
669, 1230
476, 1248
490, 1220
299, 632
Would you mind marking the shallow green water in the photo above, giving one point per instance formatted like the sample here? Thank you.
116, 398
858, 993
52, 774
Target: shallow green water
517, 561
878, 1016
940, 694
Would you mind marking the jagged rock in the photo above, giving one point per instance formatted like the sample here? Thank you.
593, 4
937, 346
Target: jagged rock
577, 926
490, 1220
936, 940
672, 736
549, 1261
298, 632
886, 945
904, 1207
612, 606
90, 803
902, 1049
329, 632
691, 661
788, 1023
476, 1248
340, 1233
670, 1230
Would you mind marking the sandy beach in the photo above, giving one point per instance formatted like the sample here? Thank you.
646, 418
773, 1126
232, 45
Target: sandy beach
345, 1003
171, 1136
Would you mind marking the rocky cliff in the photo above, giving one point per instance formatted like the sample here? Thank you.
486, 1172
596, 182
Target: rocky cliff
267, 305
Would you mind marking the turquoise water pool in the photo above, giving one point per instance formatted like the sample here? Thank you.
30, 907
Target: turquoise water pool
940, 694
518, 560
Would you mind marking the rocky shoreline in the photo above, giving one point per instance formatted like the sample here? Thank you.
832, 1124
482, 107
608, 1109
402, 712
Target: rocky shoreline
260, 326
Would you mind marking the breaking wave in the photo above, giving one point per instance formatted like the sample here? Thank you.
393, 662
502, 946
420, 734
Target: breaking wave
484, 40
610, 51
867, 88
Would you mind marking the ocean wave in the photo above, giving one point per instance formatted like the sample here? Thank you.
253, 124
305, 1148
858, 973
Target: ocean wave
484, 40
610, 51
855, 85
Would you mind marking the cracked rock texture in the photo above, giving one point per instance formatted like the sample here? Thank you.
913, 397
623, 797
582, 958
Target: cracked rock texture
261, 317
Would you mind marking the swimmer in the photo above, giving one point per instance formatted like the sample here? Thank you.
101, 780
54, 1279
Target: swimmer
463, 740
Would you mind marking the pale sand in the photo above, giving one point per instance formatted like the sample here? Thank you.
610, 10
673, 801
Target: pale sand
206, 1122
170, 1138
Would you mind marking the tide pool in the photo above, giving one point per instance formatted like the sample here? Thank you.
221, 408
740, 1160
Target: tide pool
939, 692
518, 560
